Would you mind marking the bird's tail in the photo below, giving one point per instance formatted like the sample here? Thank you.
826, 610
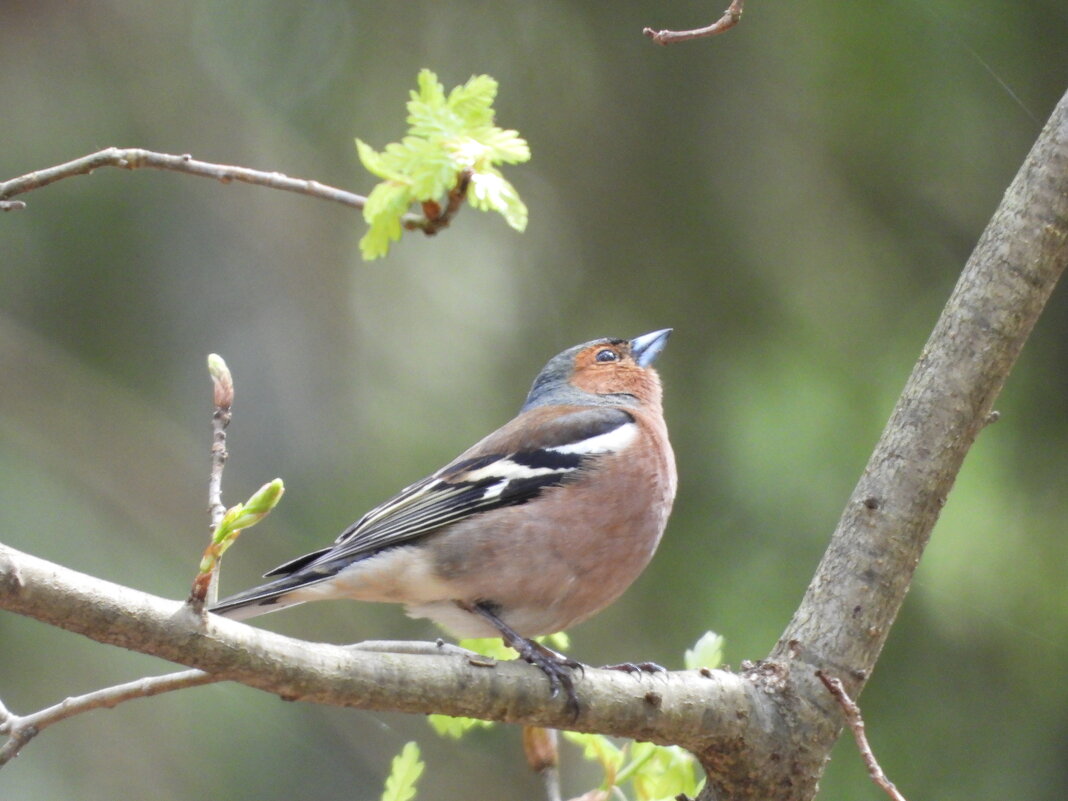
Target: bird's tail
269, 597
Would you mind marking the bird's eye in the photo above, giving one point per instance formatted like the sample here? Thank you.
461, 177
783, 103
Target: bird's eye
607, 355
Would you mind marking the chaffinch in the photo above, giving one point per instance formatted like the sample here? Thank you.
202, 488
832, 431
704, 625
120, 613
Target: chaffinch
533, 529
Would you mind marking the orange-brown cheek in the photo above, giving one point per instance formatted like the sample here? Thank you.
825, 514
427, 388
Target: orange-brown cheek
605, 381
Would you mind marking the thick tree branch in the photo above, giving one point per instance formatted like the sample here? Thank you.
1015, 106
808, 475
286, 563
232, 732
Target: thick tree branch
692, 710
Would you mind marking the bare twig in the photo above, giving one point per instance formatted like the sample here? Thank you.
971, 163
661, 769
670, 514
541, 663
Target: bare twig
206, 586
731, 17
137, 158
223, 397
20, 729
11, 205
438, 218
856, 724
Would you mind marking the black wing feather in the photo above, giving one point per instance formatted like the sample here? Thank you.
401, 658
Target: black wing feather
447, 496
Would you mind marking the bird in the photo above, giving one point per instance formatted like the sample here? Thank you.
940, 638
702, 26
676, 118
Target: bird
535, 528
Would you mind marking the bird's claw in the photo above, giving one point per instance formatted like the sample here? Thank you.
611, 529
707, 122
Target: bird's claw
557, 669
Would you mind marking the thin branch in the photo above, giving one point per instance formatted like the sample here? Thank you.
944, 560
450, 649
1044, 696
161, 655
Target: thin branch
11, 205
20, 729
223, 398
206, 584
731, 17
438, 218
856, 724
138, 158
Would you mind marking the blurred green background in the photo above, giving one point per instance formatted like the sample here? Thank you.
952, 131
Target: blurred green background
796, 198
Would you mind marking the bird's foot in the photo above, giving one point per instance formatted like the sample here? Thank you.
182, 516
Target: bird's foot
557, 667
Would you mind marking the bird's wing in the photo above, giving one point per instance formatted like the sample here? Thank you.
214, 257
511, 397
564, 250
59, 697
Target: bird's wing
539, 449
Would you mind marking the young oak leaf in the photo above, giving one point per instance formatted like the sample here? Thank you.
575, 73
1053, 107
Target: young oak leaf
448, 136
404, 772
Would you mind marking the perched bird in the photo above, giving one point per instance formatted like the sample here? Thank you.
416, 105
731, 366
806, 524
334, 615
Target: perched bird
533, 529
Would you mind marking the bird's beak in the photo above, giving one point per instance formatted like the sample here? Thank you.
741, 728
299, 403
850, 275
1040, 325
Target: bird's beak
647, 347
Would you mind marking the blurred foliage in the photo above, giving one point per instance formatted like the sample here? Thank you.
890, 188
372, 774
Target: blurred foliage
404, 772
796, 198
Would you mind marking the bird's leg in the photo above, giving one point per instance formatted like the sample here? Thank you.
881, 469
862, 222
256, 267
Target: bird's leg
556, 666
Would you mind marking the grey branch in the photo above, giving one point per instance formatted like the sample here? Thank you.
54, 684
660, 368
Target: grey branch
132, 158
446, 681
223, 396
731, 17
20, 729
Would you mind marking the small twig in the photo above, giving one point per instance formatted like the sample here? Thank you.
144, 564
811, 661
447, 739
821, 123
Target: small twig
20, 729
135, 158
731, 17
856, 724
11, 205
223, 397
206, 585
435, 217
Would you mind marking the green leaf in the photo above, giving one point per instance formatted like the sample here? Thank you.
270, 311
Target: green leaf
446, 137
473, 102
560, 640
385, 206
506, 146
372, 161
456, 728
668, 772
656, 773
492, 647
404, 773
707, 652
490, 192
495, 648
239, 517
598, 748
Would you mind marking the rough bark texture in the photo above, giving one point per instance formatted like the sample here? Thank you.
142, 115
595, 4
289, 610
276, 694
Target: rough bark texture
764, 733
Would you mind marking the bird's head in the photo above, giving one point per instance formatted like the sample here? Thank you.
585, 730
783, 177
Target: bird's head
604, 372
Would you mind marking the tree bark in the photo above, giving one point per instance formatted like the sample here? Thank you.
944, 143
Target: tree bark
847, 611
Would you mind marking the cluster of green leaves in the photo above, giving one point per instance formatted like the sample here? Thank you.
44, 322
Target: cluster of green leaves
654, 772
448, 136
651, 772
